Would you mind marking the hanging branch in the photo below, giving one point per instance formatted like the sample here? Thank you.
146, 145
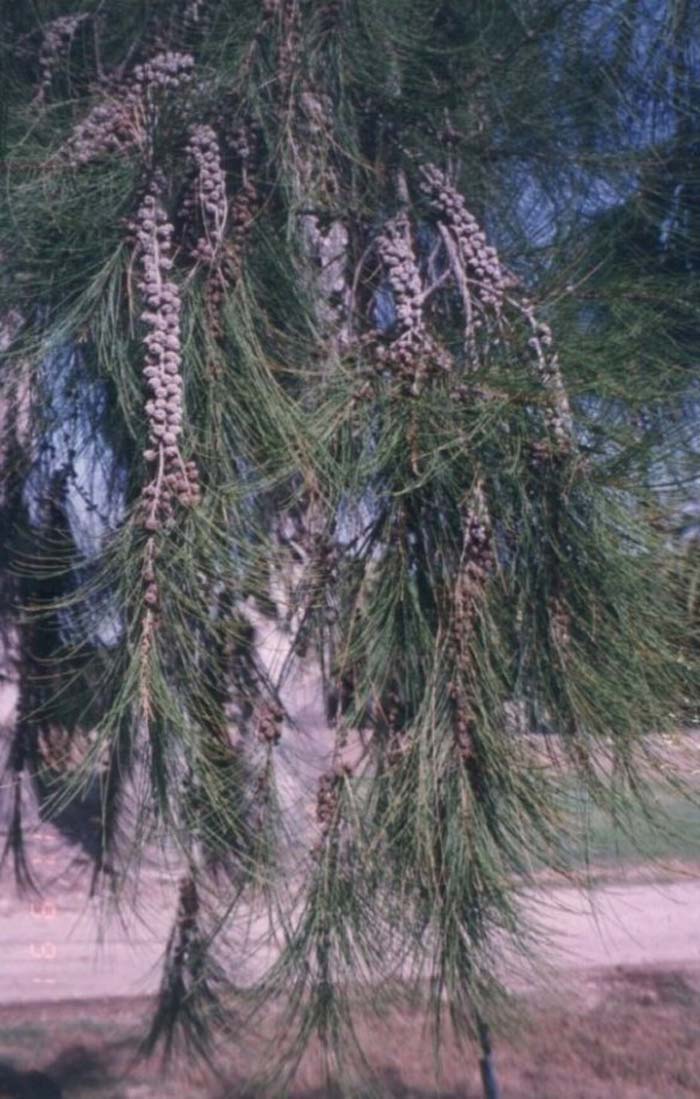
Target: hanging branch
383, 428
476, 563
559, 416
188, 1003
15, 640
174, 481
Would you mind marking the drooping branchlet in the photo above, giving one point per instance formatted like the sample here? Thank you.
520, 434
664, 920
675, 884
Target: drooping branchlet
246, 200
398, 743
560, 624
557, 411
476, 564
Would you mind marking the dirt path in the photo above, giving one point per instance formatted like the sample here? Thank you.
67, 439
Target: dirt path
624, 924
622, 1016
50, 948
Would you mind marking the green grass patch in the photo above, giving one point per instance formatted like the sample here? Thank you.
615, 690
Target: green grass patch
23, 1034
670, 831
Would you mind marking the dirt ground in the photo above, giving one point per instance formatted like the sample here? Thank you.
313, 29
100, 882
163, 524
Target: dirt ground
629, 1032
620, 1015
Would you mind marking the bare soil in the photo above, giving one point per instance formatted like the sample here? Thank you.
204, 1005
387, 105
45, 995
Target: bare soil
632, 1032
620, 1015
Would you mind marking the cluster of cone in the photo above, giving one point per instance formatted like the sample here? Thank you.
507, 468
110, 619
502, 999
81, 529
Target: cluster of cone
476, 563
246, 200
56, 42
540, 343
116, 123
327, 798
268, 728
412, 352
480, 260
491, 282
204, 151
174, 479
169, 69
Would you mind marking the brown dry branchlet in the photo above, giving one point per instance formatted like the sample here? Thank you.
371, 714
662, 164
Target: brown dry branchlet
185, 931
263, 795
324, 558
56, 42
476, 564
192, 15
243, 209
397, 740
328, 810
65, 752
290, 41
287, 17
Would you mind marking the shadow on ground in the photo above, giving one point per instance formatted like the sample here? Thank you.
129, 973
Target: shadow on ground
627, 1032
27, 1085
75, 1069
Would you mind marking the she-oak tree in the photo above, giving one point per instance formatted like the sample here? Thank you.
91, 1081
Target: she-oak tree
297, 385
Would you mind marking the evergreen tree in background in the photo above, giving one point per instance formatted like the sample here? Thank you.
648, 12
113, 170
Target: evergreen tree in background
318, 370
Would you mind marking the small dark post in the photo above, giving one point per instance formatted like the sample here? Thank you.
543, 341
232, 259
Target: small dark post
488, 1076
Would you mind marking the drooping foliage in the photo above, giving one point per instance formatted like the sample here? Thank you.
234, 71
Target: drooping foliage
320, 383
